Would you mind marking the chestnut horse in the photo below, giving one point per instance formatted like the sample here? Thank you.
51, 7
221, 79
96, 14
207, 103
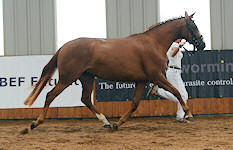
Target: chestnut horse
139, 58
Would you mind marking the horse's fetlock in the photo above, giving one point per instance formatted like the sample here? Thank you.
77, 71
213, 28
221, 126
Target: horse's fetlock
122, 121
186, 111
40, 121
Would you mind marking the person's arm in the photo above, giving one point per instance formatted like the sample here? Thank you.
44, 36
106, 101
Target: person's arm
175, 51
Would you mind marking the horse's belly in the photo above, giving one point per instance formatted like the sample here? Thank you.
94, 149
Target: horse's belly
119, 74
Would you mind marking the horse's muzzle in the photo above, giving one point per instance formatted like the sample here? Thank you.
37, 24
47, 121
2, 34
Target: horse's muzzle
201, 46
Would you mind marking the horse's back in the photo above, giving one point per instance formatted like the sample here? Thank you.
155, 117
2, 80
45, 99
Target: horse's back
111, 59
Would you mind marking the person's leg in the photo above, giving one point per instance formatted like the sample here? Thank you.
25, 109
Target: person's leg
174, 77
177, 81
167, 95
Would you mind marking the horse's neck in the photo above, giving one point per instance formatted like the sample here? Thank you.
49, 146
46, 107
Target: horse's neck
164, 35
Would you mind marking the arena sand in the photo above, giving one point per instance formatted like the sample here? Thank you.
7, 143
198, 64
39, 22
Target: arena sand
162, 133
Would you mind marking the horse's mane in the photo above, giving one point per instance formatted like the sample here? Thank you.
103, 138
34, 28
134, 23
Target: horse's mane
160, 23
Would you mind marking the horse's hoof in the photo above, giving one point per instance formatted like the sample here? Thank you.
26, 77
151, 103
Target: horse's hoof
32, 125
107, 126
115, 127
189, 118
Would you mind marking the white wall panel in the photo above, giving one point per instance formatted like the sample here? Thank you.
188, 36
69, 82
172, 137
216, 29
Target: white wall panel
137, 16
123, 11
9, 27
21, 27
228, 23
221, 24
151, 12
29, 27
34, 31
126, 17
48, 26
112, 18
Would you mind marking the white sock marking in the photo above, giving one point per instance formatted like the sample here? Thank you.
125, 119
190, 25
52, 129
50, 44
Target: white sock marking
102, 118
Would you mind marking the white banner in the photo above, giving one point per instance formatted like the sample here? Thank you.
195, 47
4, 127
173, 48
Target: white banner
18, 73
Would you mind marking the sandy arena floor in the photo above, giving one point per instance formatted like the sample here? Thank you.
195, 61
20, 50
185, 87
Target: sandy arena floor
206, 133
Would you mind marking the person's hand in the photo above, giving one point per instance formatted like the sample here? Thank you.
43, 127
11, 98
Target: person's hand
181, 44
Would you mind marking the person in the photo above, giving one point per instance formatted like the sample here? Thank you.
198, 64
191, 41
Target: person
173, 75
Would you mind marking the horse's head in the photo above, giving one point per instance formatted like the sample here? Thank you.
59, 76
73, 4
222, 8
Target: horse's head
193, 35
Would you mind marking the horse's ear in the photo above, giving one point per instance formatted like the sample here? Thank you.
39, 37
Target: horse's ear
186, 15
191, 16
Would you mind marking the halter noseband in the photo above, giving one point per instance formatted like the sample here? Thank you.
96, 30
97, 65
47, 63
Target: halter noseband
194, 37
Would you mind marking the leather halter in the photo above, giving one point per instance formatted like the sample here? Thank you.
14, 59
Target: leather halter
195, 39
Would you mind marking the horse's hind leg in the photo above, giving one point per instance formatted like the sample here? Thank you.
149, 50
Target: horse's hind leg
138, 91
162, 82
87, 81
49, 98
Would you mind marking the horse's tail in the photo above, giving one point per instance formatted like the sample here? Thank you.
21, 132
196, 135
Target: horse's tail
46, 75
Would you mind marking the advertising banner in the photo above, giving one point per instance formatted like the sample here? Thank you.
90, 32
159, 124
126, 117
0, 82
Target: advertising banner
205, 74
208, 74
19, 73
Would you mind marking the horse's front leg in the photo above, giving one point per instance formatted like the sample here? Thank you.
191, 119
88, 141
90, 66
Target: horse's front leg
87, 81
139, 89
163, 83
